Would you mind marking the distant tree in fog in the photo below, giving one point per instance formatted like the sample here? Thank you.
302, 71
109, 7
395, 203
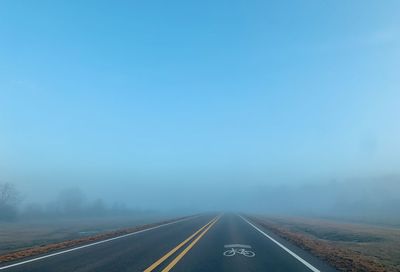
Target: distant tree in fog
71, 201
9, 200
98, 207
119, 208
33, 210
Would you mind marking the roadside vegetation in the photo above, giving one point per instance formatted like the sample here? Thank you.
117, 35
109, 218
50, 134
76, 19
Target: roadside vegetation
60, 242
70, 219
345, 246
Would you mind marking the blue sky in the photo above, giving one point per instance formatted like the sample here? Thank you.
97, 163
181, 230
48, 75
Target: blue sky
185, 91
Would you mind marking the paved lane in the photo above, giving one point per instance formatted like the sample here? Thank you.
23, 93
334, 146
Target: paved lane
232, 229
196, 244
133, 253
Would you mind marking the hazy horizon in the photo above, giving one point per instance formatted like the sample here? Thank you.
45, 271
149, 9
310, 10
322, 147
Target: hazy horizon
240, 105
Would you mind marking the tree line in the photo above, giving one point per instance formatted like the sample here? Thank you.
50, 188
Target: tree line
70, 202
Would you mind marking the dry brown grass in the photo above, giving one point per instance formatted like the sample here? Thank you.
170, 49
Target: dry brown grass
46, 248
23, 234
347, 247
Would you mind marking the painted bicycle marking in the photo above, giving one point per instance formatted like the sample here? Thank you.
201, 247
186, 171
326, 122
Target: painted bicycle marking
238, 249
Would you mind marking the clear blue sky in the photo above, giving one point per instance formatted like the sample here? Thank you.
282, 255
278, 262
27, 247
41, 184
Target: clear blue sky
290, 91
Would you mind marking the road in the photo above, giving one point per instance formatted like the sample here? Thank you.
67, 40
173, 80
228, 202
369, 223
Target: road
227, 242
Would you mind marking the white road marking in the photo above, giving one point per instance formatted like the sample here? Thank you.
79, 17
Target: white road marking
233, 250
311, 267
238, 245
92, 244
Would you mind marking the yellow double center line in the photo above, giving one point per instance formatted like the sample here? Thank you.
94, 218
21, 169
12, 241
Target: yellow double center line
202, 231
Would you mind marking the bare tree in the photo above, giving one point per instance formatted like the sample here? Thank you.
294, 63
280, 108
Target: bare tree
9, 198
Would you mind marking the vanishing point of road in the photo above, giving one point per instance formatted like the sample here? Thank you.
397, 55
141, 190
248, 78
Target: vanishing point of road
224, 242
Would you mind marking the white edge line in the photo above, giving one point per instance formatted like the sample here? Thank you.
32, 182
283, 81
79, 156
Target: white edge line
311, 267
93, 244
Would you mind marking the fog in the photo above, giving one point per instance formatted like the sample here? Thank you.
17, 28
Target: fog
127, 108
366, 200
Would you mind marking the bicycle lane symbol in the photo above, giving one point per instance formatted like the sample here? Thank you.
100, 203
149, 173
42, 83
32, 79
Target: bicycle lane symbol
239, 249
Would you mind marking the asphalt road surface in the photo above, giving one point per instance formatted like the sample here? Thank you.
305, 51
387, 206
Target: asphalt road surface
227, 242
